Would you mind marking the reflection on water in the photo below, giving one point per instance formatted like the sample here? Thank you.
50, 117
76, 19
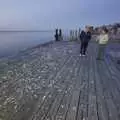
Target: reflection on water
12, 42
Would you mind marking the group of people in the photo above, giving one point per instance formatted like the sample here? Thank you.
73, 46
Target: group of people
58, 35
102, 39
85, 37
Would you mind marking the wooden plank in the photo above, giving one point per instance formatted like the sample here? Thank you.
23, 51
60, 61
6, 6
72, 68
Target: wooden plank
114, 73
92, 108
55, 105
106, 85
65, 103
64, 106
112, 67
38, 103
107, 93
25, 106
82, 110
12, 84
58, 101
114, 92
101, 103
64, 73
115, 83
71, 115
43, 110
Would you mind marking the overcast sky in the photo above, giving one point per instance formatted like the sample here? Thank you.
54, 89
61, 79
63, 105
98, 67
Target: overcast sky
48, 14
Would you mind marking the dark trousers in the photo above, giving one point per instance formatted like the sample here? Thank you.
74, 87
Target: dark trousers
83, 48
56, 38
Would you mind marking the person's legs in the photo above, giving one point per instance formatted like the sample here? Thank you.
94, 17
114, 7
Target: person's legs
81, 48
85, 47
56, 37
101, 51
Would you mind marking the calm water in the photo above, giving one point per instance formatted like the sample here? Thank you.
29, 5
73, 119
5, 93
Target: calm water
13, 42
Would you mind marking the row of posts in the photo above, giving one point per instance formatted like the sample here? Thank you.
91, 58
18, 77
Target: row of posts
73, 35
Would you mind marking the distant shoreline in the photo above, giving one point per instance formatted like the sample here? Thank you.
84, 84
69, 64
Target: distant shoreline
27, 31
29, 48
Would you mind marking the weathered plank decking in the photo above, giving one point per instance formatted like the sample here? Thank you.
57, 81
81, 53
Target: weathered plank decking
54, 83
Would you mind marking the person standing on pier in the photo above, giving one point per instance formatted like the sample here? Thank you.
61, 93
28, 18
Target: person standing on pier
56, 35
70, 35
79, 33
60, 34
102, 40
85, 37
76, 33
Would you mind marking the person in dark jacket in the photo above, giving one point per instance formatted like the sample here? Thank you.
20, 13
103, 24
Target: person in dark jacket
85, 37
60, 34
56, 35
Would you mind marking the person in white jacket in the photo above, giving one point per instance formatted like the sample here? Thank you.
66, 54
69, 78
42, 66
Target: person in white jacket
102, 41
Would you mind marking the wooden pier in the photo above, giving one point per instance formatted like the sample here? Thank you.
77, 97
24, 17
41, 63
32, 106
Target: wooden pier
54, 83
